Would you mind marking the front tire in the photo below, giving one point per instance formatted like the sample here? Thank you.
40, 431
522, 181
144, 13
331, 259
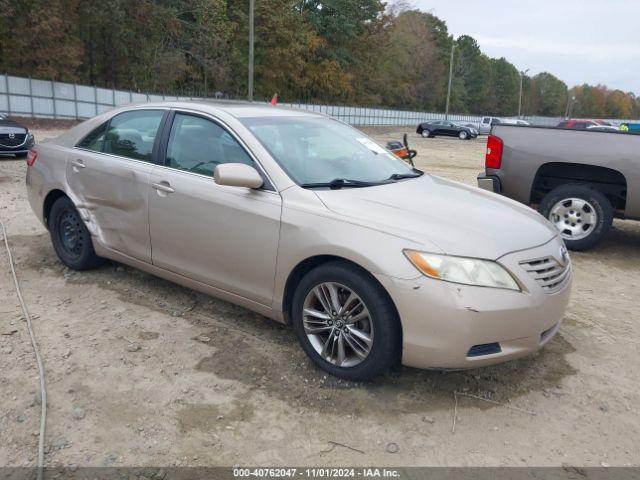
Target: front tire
70, 237
426, 133
345, 322
581, 214
463, 135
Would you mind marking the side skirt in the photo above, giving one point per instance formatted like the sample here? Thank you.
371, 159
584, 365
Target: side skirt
265, 310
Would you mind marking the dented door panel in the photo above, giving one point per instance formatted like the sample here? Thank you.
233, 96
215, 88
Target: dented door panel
111, 194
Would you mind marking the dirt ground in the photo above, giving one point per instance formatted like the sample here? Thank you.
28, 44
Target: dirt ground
141, 372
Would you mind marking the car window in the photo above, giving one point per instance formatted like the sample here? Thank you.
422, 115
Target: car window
315, 150
95, 138
486, 120
198, 145
132, 134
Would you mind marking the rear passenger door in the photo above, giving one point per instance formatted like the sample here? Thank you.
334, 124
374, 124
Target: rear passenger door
108, 177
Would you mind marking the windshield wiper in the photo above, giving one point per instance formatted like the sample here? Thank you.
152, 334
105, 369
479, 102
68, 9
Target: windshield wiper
337, 183
401, 176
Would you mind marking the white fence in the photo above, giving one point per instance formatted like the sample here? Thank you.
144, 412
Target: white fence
28, 97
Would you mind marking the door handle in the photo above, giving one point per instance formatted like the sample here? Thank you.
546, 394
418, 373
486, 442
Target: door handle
78, 164
163, 187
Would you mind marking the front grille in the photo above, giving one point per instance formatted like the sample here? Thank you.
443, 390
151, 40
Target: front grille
7, 141
548, 272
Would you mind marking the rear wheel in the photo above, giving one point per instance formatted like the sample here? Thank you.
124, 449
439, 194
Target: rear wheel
463, 135
346, 322
70, 237
581, 214
426, 133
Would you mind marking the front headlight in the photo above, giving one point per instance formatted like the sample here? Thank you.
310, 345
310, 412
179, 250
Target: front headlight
468, 271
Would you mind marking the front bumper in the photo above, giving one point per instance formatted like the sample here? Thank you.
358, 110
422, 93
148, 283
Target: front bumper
14, 152
17, 149
444, 323
489, 182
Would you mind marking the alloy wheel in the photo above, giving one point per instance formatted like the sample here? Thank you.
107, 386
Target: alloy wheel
338, 324
575, 218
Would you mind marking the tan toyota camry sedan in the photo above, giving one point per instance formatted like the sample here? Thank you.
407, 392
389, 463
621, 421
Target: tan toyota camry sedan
307, 221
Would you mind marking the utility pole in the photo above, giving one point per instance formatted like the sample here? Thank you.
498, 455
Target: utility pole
446, 112
570, 100
522, 74
250, 82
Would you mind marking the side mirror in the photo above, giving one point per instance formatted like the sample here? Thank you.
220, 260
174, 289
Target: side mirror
237, 175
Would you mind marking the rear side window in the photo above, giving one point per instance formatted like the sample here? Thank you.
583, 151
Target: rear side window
93, 141
132, 134
198, 145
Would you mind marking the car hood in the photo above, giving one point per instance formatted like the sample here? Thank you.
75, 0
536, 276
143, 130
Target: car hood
455, 218
9, 126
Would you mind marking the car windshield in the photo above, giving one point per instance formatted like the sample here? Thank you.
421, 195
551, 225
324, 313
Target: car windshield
316, 151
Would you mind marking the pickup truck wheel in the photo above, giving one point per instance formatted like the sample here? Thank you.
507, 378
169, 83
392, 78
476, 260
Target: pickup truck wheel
426, 133
463, 135
581, 214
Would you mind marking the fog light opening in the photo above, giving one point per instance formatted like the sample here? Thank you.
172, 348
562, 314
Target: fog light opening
484, 349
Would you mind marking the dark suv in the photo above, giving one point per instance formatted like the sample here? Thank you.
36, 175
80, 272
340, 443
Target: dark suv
14, 138
446, 128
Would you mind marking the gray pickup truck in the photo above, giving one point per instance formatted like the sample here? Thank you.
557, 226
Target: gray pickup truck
579, 180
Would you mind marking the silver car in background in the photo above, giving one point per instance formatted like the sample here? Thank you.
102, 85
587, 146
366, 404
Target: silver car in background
486, 123
307, 221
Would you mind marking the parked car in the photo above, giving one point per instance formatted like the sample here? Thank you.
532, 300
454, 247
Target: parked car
487, 122
14, 138
307, 221
578, 180
602, 128
436, 128
580, 124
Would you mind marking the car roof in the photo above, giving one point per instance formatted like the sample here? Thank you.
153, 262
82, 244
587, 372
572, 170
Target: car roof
235, 109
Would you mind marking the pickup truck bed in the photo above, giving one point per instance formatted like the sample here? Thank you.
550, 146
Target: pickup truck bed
542, 167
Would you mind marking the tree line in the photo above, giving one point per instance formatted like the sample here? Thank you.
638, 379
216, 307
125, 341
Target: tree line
356, 52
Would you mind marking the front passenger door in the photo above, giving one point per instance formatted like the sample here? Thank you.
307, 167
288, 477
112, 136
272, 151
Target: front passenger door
226, 237
451, 129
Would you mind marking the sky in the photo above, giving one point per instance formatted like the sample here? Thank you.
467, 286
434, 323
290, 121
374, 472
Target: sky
578, 41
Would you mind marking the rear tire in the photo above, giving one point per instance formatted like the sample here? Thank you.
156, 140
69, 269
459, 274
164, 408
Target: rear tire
70, 237
426, 133
376, 336
582, 214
